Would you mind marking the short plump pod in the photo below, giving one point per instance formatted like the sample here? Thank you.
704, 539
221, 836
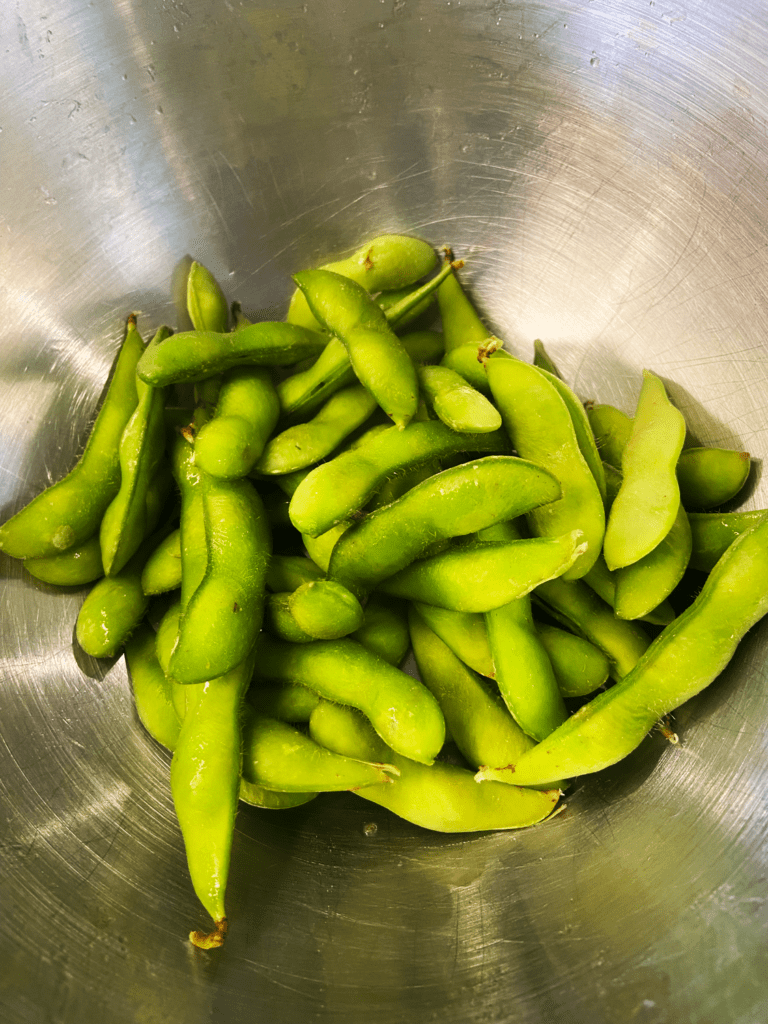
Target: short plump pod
246, 413
335, 490
377, 356
279, 757
304, 444
385, 629
69, 512
326, 610
686, 657
579, 667
205, 780
483, 576
453, 503
579, 608
385, 263
197, 355
714, 532
456, 402
162, 570
222, 618
206, 303
463, 632
141, 450
401, 709
541, 430
441, 797
479, 724
72, 568
645, 508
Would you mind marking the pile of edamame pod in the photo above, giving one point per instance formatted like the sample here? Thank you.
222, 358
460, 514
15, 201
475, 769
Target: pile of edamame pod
274, 514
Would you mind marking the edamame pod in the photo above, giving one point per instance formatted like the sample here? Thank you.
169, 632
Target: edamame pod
541, 429
326, 610
305, 444
385, 629
524, 672
222, 619
643, 585
401, 709
685, 658
456, 402
385, 263
461, 324
645, 508
714, 532
479, 724
71, 568
205, 780
141, 450
378, 358
280, 758
229, 444
453, 503
335, 490
711, 476
580, 609
579, 667
197, 355
440, 797
463, 632
542, 360
484, 576
151, 688
470, 362
69, 512
206, 304
611, 428
162, 570
290, 702
287, 573
280, 622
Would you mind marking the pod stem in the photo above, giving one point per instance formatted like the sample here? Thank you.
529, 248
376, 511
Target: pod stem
210, 940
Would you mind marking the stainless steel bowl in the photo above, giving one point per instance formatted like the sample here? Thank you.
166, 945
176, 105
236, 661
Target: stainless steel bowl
602, 165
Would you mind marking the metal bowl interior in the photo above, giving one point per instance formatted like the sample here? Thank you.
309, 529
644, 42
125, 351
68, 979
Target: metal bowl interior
602, 167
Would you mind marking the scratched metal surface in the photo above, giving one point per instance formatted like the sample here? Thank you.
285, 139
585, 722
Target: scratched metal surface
603, 166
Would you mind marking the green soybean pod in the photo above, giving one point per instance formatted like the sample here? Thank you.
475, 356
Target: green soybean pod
384, 630
287, 573
714, 532
336, 490
453, 503
645, 508
69, 512
114, 607
222, 619
541, 429
440, 797
378, 358
685, 658
162, 570
464, 633
151, 688
280, 621
611, 429
141, 450
72, 568
480, 725
321, 548
401, 709
579, 667
197, 355
461, 324
193, 545
642, 586
205, 781
281, 758
484, 576
470, 362
206, 304
542, 360
326, 610
386, 262
709, 477
455, 402
304, 444
580, 609
603, 582
524, 672
290, 702
246, 413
